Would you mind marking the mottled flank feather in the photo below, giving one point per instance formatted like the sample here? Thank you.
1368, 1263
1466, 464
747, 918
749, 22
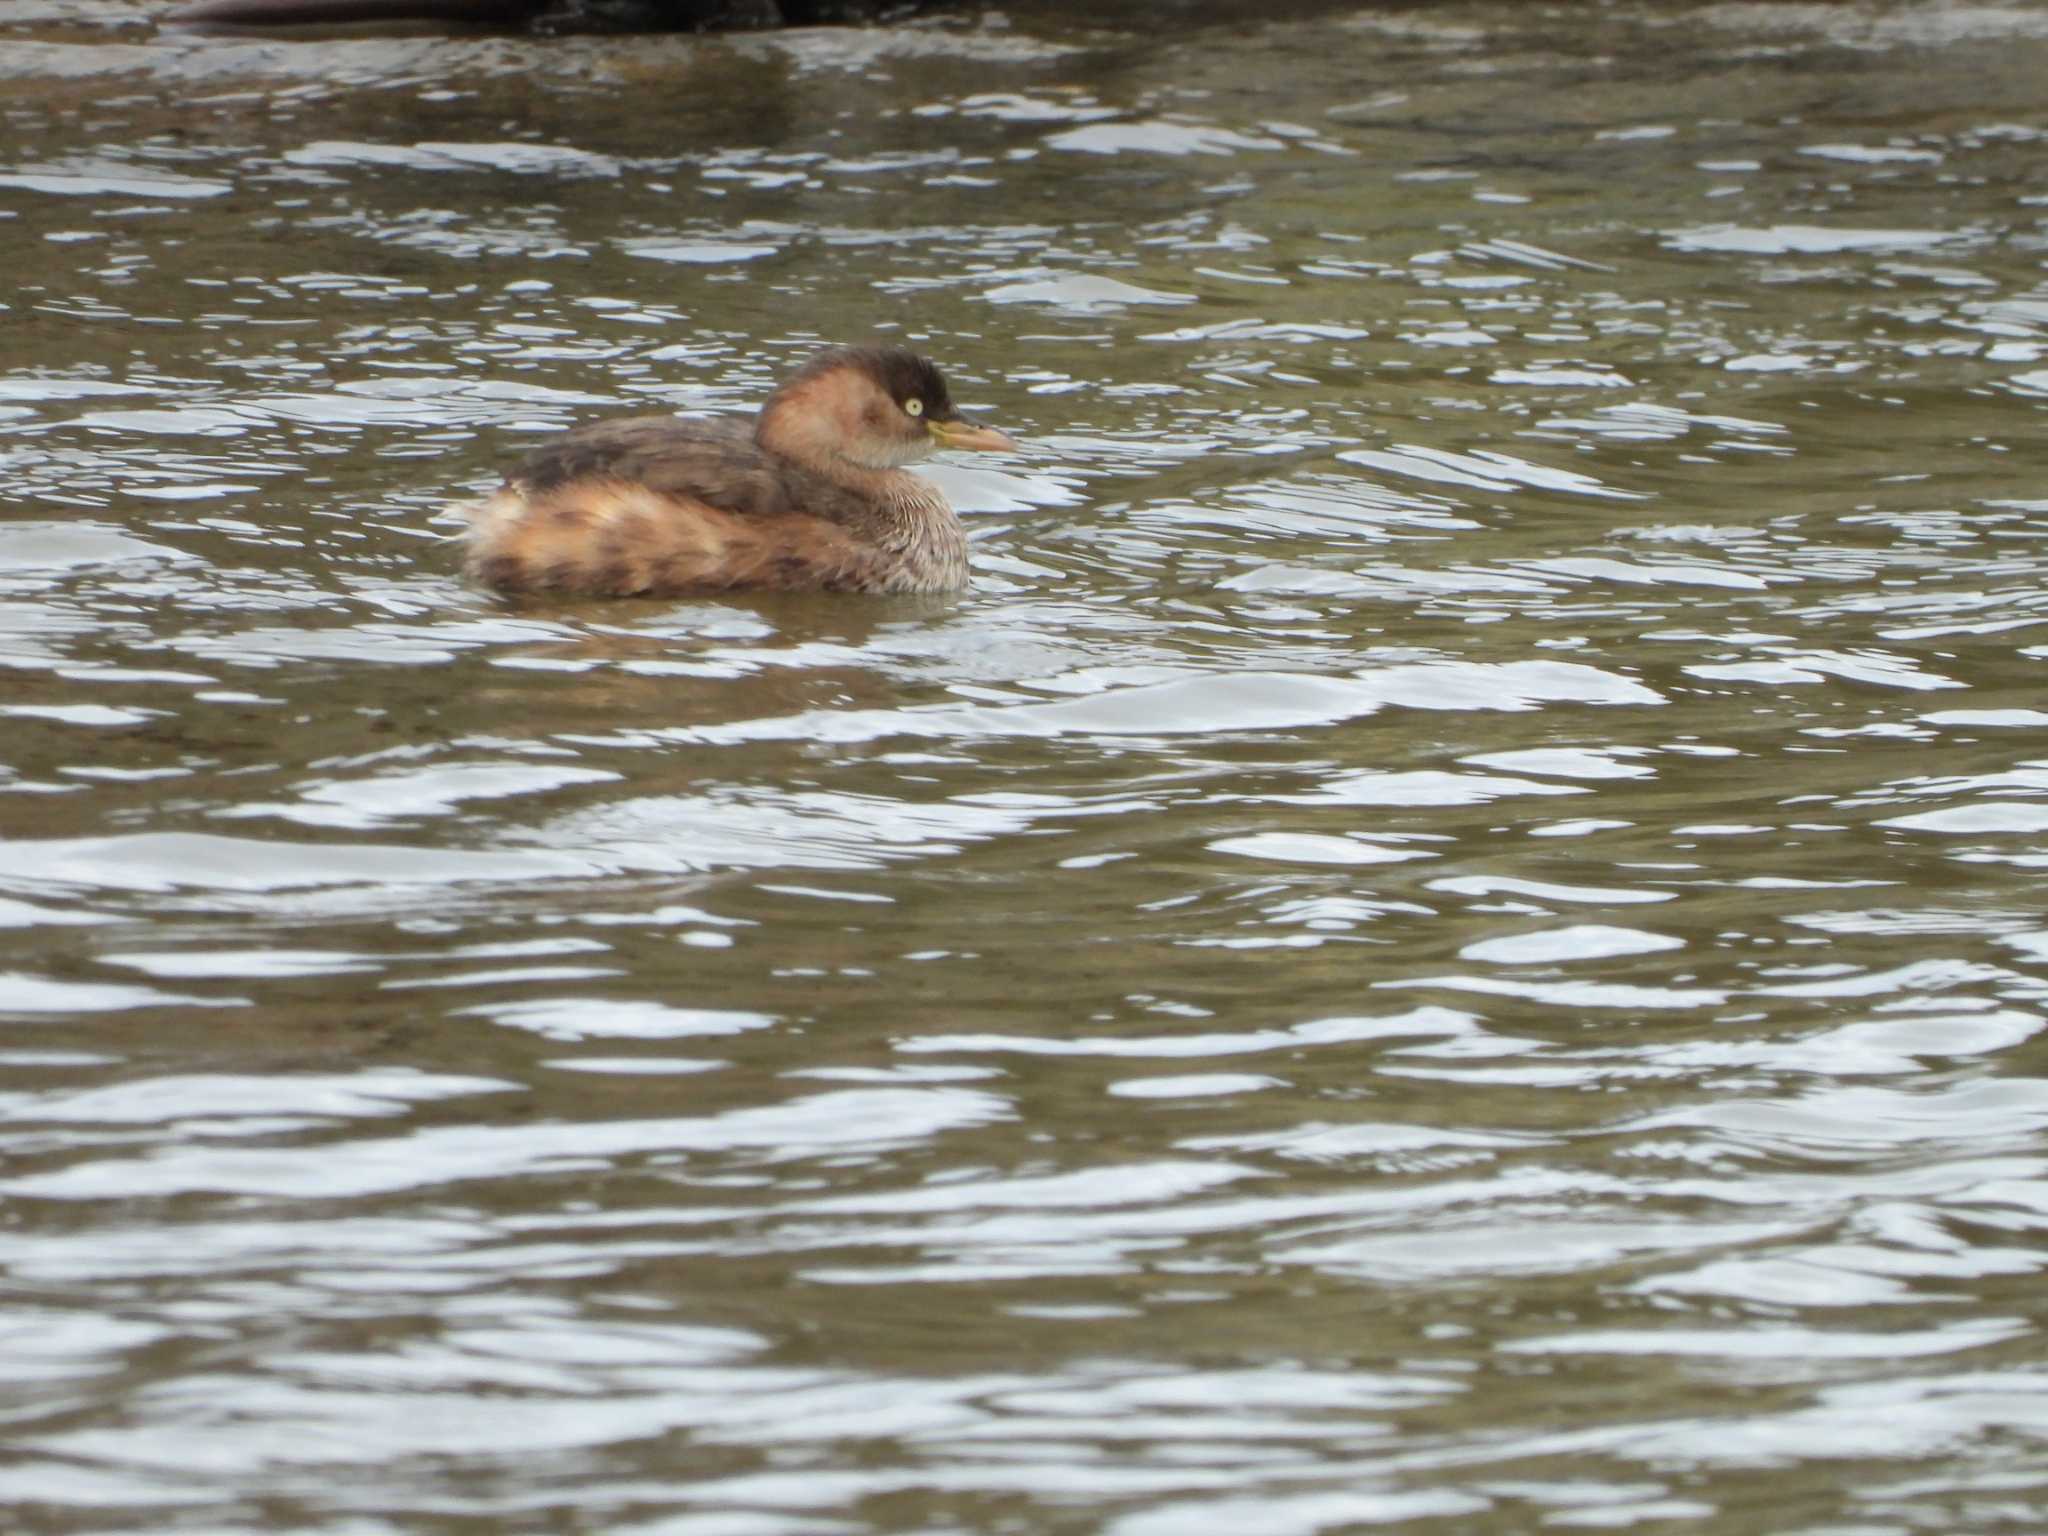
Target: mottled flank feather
614, 538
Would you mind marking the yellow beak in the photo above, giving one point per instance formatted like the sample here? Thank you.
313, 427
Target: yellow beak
969, 435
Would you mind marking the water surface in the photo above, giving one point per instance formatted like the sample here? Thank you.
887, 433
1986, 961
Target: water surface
1448, 939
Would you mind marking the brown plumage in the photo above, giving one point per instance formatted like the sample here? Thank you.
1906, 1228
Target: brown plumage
810, 495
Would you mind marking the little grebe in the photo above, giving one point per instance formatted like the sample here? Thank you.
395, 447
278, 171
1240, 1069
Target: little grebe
810, 495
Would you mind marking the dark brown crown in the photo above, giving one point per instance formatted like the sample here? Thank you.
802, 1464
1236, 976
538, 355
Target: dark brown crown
898, 370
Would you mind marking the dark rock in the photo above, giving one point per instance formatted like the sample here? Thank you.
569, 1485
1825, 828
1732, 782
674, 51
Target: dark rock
545, 16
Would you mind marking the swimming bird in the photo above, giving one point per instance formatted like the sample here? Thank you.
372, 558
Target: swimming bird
811, 495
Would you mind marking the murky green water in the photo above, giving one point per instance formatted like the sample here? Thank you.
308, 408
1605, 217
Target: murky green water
1450, 939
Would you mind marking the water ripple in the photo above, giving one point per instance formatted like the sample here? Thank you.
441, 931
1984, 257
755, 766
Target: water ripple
1473, 846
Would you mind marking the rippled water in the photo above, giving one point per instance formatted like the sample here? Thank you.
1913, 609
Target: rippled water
1450, 938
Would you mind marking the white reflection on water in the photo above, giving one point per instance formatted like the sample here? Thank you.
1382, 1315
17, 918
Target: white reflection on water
169, 861
851, 1119
601, 1018
1225, 702
22, 995
168, 1100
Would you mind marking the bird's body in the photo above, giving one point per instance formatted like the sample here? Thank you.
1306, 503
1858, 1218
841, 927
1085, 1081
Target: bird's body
810, 495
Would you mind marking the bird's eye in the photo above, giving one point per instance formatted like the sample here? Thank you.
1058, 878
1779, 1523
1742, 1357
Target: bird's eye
913, 407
